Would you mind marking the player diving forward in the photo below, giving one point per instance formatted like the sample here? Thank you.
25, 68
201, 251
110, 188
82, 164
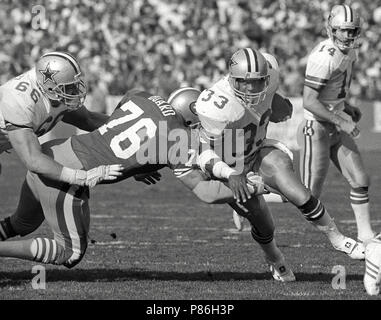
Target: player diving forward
144, 133
242, 100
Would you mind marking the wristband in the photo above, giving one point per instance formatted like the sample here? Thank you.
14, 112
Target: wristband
222, 170
73, 176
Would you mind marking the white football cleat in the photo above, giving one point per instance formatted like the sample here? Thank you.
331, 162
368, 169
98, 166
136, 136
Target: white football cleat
372, 276
281, 271
355, 250
238, 220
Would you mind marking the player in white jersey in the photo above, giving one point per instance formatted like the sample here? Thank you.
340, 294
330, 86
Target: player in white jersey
242, 100
330, 124
30, 105
213, 191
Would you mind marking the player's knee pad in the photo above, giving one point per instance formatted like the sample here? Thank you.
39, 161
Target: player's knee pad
49, 251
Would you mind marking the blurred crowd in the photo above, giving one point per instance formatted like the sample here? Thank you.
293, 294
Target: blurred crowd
160, 45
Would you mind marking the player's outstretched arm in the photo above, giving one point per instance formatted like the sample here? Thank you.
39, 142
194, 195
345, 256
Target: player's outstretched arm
210, 162
26, 144
84, 119
209, 191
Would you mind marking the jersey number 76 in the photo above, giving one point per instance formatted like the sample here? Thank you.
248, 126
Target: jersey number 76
132, 133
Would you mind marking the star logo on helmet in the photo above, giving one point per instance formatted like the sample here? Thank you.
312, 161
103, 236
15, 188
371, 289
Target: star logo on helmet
48, 74
232, 62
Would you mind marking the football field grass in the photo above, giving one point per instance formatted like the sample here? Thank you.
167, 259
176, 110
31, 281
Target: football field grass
161, 242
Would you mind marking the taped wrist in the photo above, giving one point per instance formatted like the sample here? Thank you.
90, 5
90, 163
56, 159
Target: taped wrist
222, 170
73, 176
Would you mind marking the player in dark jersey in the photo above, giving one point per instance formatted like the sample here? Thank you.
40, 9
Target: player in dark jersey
144, 133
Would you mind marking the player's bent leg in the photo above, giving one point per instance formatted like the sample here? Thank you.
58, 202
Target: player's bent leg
43, 250
276, 169
67, 212
262, 231
314, 141
69, 218
27, 218
347, 159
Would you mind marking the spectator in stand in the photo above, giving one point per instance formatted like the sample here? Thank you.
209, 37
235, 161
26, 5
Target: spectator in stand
123, 44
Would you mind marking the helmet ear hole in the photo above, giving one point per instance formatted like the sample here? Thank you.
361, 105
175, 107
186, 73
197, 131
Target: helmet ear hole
183, 100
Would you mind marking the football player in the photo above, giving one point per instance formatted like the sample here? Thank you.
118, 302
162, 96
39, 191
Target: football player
242, 100
212, 191
330, 122
32, 103
144, 133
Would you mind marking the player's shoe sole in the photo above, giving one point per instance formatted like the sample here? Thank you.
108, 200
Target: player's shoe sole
372, 276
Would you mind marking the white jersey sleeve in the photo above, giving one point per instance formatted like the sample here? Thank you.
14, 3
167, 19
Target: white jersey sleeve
318, 71
16, 104
329, 71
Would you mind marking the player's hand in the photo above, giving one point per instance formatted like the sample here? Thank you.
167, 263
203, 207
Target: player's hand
354, 112
350, 128
256, 184
148, 178
103, 173
238, 185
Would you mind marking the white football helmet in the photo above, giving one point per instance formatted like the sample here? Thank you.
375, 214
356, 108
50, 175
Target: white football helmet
248, 76
183, 100
271, 61
344, 27
60, 79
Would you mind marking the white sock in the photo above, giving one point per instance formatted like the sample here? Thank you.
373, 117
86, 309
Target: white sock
364, 228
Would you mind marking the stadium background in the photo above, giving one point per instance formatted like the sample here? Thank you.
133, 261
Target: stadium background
145, 248
160, 45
